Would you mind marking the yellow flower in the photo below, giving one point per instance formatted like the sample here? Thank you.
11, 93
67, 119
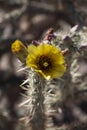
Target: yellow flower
20, 50
47, 60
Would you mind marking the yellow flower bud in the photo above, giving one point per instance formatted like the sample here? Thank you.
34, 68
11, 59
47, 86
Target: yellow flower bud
20, 50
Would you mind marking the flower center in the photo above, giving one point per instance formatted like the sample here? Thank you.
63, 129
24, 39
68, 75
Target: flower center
44, 63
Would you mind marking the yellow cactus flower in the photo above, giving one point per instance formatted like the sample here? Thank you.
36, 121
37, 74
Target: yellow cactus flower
20, 50
47, 60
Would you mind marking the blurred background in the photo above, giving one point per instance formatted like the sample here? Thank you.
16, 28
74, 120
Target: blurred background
28, 20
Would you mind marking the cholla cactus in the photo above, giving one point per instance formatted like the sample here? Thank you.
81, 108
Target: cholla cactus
50, 76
